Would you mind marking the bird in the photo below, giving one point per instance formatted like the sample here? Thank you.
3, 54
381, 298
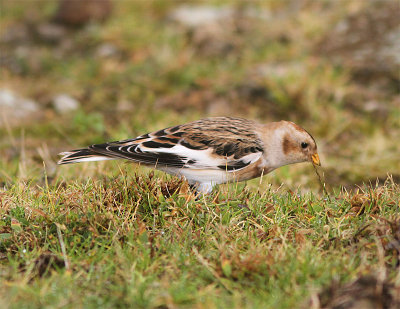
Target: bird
210, 151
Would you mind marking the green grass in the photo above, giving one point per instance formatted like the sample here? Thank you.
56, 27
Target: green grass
115, 235
129, 242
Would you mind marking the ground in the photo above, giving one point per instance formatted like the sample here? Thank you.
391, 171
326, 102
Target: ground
112, 234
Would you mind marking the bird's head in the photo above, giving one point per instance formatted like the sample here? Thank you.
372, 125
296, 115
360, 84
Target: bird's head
286, 143
298, 145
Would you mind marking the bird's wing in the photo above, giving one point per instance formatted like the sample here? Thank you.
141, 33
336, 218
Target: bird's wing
214, 143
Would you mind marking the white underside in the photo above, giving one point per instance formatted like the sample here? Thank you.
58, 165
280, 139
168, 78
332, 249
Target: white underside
204, 179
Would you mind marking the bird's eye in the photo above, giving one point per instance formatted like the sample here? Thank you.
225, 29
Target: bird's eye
304, 145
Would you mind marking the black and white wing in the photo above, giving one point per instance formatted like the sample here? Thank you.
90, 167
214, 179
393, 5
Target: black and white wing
215, 143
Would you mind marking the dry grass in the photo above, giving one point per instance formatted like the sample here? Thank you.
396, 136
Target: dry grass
245, 249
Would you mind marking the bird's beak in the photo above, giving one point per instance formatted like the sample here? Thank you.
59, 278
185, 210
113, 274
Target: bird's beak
315, 159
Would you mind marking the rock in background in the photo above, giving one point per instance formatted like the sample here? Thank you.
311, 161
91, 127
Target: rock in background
78, 13
15, 109
367, 43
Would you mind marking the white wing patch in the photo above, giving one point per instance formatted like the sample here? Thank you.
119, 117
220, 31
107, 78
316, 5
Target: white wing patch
204, 159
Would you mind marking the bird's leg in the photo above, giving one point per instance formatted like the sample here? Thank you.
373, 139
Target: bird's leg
193, 188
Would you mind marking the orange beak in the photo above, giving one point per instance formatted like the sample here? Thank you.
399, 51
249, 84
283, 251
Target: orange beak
315, 159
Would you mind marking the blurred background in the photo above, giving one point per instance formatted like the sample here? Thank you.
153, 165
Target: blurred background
74, 73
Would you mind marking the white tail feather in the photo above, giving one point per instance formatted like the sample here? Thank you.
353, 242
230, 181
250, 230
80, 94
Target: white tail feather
88, 159
82, 155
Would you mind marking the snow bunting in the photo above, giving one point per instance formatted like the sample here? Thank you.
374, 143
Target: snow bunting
210, 151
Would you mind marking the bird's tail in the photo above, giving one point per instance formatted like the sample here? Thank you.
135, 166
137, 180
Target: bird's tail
82, 155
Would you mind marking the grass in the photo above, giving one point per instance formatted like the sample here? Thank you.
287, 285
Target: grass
131, 242
116, 235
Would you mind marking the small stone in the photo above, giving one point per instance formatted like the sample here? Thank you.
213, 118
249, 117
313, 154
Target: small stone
106, 50
216, 30
27, 105
279, 70
194, 16
13, 108
51, 32
7, 98
64, 103
20, 106
79, 13
124, 106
